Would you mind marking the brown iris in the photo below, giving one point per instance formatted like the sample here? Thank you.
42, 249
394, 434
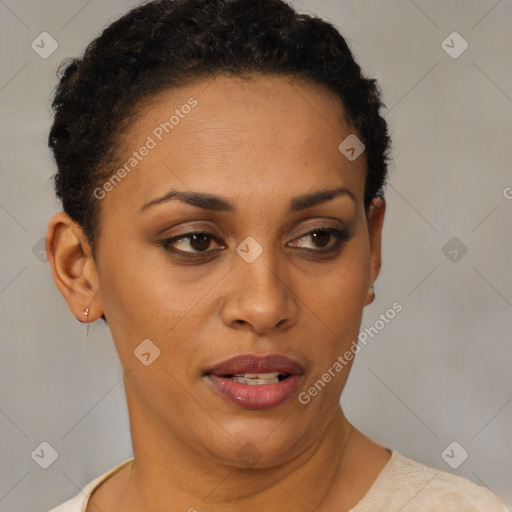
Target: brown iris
200, 242
321, 237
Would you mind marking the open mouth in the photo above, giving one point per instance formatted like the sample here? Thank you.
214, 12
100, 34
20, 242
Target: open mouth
256, 382
258, 379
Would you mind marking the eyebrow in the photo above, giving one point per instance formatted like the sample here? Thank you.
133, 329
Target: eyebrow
222, 204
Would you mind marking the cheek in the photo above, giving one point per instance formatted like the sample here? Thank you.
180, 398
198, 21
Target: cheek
134, 295
145, 297
337, 308
133, 279
341, 293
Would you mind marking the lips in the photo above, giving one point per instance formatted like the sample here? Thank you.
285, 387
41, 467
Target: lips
256, 382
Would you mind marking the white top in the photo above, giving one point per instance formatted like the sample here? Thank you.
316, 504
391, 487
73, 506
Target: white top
403, 485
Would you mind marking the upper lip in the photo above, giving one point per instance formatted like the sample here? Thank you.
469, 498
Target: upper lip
250, 363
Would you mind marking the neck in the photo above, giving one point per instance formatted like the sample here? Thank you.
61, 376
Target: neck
169, 476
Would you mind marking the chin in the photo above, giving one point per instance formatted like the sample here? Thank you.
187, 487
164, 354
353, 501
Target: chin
260, 443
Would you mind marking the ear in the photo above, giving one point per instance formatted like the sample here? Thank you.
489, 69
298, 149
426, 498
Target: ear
375, 222
73, 267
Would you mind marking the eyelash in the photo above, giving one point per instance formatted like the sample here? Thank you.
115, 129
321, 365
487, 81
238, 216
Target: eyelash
340, 236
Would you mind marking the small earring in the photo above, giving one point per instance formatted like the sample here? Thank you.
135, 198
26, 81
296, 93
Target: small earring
371, 293
86, 313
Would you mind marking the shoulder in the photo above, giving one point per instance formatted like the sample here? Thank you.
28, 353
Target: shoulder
440, 487
76, 504
407, 485
79, 502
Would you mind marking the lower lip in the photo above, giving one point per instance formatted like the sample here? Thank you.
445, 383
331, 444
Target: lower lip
262, 396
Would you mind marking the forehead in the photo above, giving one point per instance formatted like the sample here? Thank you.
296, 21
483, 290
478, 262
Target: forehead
248, 135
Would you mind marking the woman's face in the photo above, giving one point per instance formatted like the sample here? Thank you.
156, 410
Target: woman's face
272, 274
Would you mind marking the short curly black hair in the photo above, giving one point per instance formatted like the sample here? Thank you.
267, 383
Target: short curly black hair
170, 43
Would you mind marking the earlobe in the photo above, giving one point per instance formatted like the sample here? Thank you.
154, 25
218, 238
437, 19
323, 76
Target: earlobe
73, 267
370, 295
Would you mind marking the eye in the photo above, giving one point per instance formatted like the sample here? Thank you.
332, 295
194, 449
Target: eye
196, 244
199, 241
325, 239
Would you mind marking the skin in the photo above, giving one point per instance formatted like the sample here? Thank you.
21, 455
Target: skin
258, 142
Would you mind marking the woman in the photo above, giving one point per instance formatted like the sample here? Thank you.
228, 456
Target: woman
221, 166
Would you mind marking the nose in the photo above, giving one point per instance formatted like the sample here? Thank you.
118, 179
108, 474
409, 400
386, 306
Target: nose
259, 296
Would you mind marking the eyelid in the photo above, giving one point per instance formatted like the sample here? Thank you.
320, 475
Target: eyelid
317, 225
187, 234
340, 235
304, 225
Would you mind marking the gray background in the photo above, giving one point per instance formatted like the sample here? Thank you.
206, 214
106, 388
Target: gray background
437, 373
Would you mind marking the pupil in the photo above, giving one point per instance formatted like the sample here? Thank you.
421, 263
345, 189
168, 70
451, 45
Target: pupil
200, 242
322, 237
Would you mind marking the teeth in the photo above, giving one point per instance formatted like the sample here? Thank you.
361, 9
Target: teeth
255, 382
258, 375
256, 379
